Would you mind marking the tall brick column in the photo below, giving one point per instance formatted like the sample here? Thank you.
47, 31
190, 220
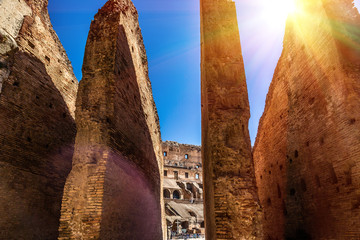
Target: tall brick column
232, 209
113, 190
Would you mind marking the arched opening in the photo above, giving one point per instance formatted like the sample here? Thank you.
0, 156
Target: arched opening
185, 225
166, 193
175, 226
176, 194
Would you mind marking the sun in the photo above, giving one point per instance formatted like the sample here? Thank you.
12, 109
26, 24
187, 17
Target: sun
288, 6
278, 10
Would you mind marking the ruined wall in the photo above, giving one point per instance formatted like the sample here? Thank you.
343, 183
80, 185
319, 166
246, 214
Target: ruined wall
185, 156
37, 128
114, 188
231, 205
182, 161
307, 149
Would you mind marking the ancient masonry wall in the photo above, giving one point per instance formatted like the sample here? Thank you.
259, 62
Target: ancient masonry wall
232, 209
177, 153
308, 146
37, 128
113, 190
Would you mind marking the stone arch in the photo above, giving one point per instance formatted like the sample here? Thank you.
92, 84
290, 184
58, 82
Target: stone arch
177, 194
185, 225
166, 193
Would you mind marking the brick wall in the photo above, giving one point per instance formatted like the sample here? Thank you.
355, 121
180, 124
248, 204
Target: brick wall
37, 128
307, 149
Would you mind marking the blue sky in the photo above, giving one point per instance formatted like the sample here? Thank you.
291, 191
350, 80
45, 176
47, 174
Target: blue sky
171, 32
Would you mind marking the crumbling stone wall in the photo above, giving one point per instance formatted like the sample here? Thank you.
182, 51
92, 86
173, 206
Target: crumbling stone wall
232, 209
37, 128
114, 188
184, 156
307, 149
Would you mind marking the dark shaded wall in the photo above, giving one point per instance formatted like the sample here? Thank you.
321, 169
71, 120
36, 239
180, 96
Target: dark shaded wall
232, 209
307, 149
113, 190
37, 127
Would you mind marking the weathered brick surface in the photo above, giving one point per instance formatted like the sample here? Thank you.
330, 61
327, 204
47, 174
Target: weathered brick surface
113, 190
37, 129
308, 146
232, 209
174, 155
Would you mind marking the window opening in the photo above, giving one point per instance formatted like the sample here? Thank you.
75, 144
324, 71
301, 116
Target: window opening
176, 175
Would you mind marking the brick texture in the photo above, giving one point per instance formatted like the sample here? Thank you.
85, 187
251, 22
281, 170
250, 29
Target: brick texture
307, 149
113, 190
232, 209
37, 127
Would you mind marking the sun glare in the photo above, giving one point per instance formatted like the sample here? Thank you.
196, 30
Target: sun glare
278, 10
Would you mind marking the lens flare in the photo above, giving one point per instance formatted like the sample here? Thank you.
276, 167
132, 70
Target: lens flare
278, 10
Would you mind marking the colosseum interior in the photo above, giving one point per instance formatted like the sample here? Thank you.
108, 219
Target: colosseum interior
85, 160
183, 190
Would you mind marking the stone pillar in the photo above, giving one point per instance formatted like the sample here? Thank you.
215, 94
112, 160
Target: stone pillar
114, 188
307, 148
232, 209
